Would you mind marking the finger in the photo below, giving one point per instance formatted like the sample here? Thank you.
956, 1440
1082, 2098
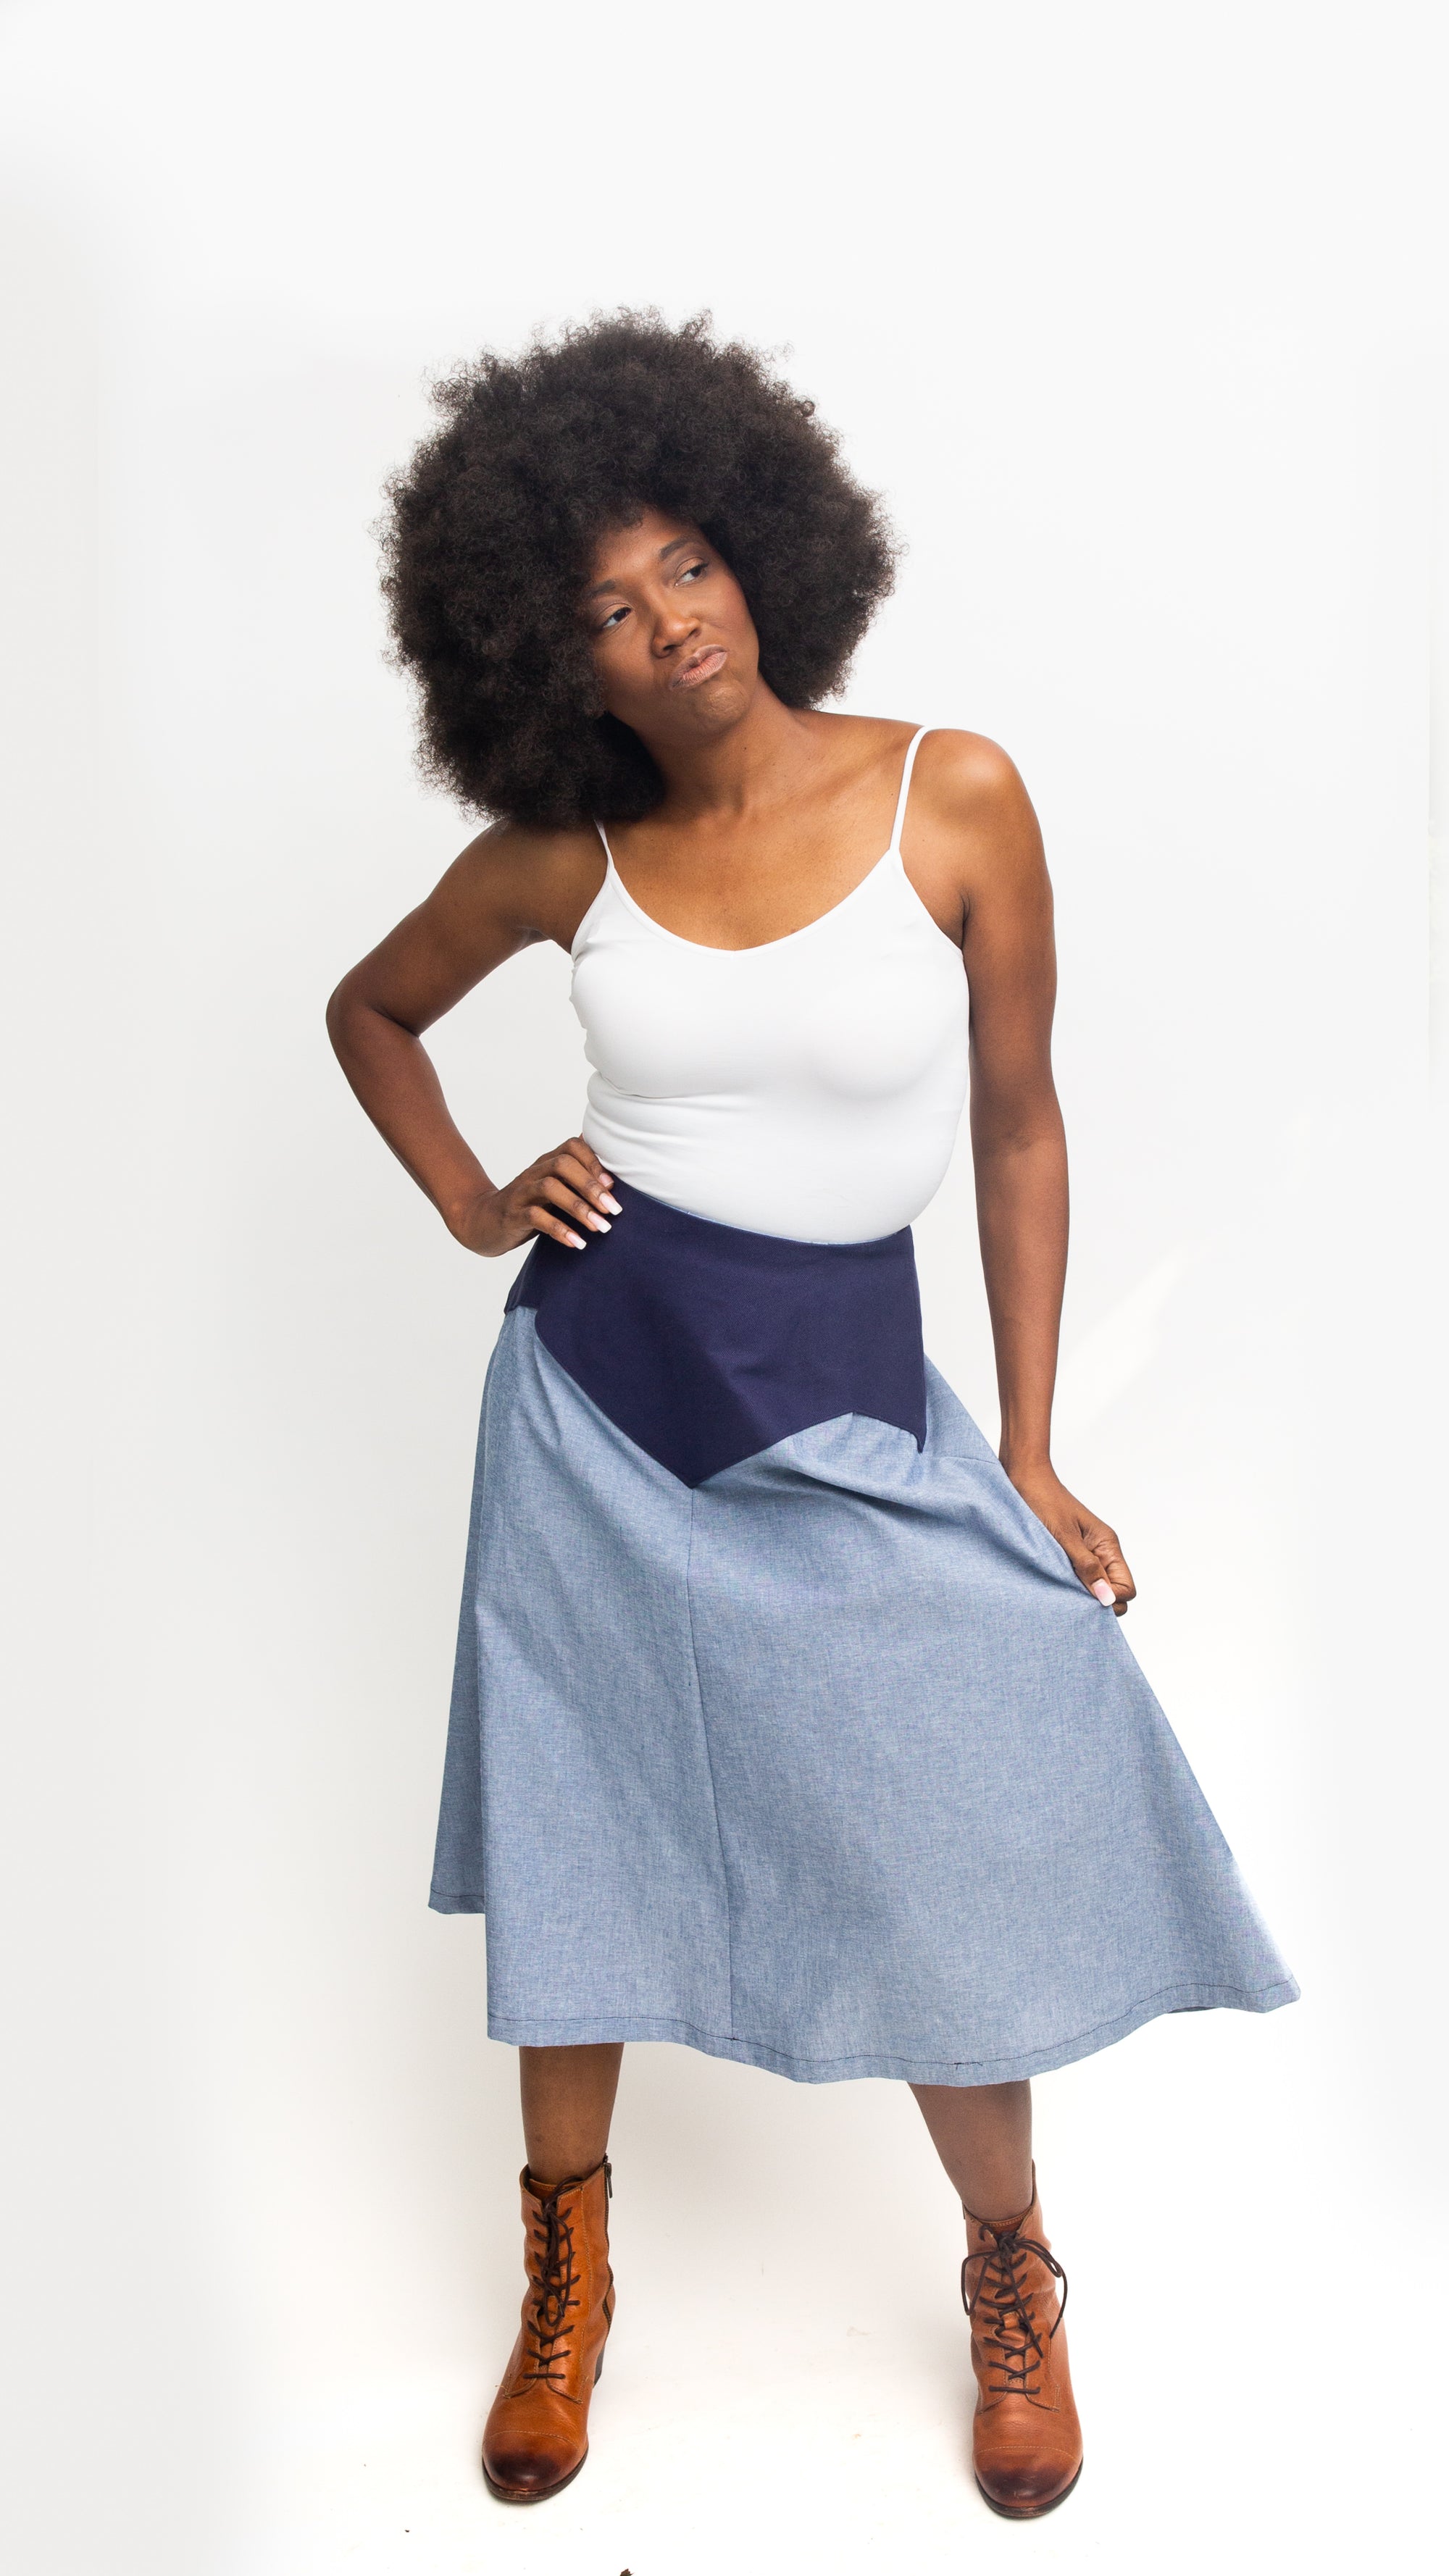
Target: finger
583, 1171
543, 1221
582, 1153
1110, 1583
1113, 1566
1091, 1571
1088, 1571
560, 1196
569, 1166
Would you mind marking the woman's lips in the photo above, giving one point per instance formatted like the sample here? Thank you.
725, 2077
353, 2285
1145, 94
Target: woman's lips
701, 666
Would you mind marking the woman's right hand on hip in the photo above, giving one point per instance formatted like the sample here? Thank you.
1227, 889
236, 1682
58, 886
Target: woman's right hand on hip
568, 1184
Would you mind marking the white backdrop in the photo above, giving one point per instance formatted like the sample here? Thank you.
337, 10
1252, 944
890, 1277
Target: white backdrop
1136, 314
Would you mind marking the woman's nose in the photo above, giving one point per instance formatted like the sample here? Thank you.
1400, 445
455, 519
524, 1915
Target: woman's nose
673, 626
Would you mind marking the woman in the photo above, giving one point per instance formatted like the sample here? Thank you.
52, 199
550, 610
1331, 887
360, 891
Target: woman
788, 1722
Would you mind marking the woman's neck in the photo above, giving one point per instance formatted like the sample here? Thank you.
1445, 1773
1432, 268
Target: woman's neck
760, 760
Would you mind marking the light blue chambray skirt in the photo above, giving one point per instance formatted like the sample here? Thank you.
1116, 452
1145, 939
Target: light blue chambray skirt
827, 1763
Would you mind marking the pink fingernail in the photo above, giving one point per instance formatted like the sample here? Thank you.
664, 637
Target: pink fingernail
1104, 1593
576, 1240
611, 1204
600, 1225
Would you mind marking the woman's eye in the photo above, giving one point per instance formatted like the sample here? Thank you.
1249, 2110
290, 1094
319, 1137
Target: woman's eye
692, 571
611, 620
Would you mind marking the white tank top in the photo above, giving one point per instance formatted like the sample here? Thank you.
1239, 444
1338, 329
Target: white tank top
810, 1087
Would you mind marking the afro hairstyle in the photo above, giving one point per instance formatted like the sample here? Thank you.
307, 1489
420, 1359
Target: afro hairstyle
494, 524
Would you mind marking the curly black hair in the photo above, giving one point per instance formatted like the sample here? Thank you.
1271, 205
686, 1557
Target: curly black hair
494, 525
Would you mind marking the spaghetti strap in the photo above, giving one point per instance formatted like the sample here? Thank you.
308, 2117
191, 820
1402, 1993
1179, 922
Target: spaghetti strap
916, 741
604, 837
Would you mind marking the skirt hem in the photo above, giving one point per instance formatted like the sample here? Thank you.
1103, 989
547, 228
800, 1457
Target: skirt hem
605, 2028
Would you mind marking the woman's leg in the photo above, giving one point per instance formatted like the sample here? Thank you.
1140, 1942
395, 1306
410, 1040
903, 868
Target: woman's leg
982, 2134
568, 2102
1025, 2438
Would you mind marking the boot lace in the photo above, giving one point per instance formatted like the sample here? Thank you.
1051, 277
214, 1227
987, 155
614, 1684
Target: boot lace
1004, 2303
554, 2295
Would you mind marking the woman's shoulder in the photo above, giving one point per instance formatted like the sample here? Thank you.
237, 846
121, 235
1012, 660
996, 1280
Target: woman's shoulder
969, 829
966, 778
538, 878
534, 849
963, 775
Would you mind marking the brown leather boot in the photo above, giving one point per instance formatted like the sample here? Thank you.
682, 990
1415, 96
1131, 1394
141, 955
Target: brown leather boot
537, 2434
1026, 2440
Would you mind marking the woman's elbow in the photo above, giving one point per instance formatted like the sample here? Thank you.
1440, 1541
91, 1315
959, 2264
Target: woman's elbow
341, 1014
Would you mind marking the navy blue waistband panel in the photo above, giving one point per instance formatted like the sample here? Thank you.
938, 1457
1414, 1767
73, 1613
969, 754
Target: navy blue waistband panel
704, 1345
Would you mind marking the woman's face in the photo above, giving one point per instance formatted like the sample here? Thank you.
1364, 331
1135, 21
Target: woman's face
673, 641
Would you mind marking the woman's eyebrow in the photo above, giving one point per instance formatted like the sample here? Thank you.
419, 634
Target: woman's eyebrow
673, 548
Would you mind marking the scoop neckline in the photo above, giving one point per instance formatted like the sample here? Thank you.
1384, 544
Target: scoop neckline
757, 947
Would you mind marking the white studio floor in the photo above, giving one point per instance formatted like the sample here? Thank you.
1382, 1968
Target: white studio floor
787, 2386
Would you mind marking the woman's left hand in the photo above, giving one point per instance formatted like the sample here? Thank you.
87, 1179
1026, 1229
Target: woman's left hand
1094, 1549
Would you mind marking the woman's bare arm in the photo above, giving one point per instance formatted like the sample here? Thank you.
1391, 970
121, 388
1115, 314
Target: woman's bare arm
977, 858
509, 889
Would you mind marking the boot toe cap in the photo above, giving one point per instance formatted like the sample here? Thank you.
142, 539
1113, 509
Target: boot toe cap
526, 2477
1023, 2488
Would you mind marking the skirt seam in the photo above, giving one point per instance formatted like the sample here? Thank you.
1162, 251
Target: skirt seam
724, 1866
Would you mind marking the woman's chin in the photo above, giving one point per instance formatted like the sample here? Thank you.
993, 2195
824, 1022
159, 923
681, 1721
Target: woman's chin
709, 709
